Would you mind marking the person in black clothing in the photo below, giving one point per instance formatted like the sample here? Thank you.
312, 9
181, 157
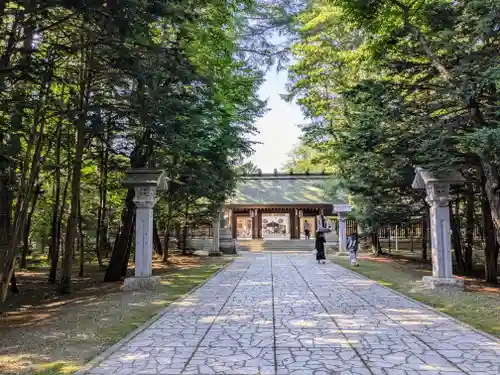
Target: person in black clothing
320, 247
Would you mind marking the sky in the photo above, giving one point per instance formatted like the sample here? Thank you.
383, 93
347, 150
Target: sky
278, 130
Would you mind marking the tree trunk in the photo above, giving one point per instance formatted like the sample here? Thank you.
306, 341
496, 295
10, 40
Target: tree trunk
456, 240
425, 237
491, 189
81, 240
29, 174
101, 214
7, 178
71, 225
469, 228
166, 241
156, 238
119, 255
54, 240
491, 247
375, 244
167, 229
57, 239
124, 266
13, 284
184, 230
29, 171
27, 228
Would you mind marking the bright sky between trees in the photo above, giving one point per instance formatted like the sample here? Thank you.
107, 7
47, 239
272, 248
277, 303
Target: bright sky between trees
278, 129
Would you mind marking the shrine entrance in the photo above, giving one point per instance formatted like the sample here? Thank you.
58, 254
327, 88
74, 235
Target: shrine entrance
277, 206
244, 227
275, 226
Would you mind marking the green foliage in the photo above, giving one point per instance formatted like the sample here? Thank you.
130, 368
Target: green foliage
390, 84
160, 84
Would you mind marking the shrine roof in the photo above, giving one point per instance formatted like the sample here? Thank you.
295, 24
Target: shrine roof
289, 189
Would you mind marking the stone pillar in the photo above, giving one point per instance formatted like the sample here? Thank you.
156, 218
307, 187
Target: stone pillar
216, 224
146, 183
438, 198
144, 201
341, 210
227, 234
342, 233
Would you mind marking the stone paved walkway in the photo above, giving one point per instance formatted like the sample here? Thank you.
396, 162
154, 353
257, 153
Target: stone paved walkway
283, 314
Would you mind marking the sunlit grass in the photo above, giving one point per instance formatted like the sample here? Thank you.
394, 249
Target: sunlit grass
56, 368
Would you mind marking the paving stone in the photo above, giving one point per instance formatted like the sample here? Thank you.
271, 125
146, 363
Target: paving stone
310, 338
298, 317
248, 361
239, 336
314, 360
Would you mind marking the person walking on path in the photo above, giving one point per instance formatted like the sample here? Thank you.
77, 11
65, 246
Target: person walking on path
307, 230
320, 247
352, 247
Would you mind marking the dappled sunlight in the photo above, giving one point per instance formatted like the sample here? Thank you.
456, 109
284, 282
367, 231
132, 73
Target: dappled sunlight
303, 323
131, 357
403, 310
186, 303
256, 283
95, 314
28, 362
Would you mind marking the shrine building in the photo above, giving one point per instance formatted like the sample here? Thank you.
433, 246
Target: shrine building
276, 206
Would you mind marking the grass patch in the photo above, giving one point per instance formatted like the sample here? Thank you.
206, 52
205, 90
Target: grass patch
478, 305
45, 334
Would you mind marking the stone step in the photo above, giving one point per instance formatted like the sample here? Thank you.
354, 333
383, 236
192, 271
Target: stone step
275, 245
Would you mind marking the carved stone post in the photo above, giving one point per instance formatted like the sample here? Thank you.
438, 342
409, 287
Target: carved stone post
145, 199
438, 198
342, 209
216, 225
226, 242
342, 233
146, 182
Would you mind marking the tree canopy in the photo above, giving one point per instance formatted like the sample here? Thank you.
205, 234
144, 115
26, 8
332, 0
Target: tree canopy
390, 85
91, 89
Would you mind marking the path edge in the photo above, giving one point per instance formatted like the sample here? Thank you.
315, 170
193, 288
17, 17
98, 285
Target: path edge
427, 307
117, 345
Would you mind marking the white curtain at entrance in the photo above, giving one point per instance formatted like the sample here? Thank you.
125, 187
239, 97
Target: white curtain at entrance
276, 225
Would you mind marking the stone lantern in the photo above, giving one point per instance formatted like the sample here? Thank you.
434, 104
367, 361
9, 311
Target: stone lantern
342, 210
146, 183
438, 197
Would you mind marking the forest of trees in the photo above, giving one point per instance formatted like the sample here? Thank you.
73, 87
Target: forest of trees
92, 88
392, 84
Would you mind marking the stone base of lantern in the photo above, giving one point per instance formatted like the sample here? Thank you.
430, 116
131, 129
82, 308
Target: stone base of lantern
226, 244
141, 283
432, 282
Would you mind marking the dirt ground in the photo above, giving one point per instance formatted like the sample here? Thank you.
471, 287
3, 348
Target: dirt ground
43, 332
